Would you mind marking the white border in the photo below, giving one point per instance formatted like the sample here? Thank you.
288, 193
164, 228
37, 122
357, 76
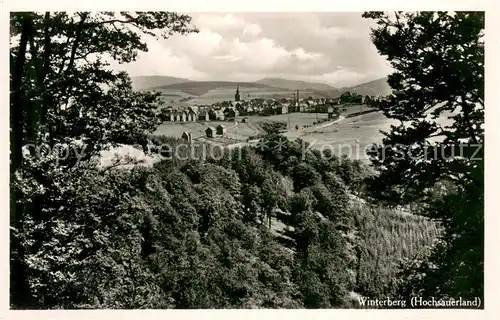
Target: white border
492, 265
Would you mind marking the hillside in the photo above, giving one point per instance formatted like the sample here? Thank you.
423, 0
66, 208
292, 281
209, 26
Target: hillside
198, 88
207, 91
295, 84
372, 88
147, 82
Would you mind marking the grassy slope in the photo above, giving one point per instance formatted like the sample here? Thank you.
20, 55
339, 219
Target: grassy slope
372, 88
198, 88
294, 84
147, 82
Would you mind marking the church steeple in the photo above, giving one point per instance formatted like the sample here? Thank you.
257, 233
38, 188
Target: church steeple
237, 95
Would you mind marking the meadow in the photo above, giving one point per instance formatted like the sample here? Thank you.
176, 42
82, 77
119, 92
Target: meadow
240, 131
351, 136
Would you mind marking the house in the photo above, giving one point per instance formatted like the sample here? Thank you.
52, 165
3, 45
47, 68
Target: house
283, 109
332, 113
210, 132
230, 113
293, 107
186, 136
212, 114
218, 115
165, 114
258, 109
236, 104
192, 113
181, 116
241, 109
221, 130
304, 107
250, 110
204, 115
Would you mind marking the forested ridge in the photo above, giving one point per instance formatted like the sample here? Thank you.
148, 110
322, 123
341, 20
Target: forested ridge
279, 225
255, 229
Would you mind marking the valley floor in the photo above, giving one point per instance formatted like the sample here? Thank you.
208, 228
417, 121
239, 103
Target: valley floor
351, 136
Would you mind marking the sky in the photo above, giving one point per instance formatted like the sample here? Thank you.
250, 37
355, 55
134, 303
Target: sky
333, 48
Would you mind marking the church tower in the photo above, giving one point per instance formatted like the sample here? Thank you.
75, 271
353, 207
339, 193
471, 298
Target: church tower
237, 95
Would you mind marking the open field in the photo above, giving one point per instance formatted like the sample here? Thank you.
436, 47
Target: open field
300, 119
346, 136
349, 136
352, 136
237, 131
349, 109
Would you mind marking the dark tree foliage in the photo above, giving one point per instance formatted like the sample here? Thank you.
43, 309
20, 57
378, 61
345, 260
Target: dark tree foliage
274, 127
438, 59
67, 106
350, 97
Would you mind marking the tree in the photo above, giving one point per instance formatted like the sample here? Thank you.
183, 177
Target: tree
65, 98
438, 59
368, 100
274, 127
59, 65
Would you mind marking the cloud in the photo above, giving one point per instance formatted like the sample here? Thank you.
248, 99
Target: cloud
252, 29
341, 77
227, 57
262, 56
203, 43
219, 22
329, 47
160, 61
300, 54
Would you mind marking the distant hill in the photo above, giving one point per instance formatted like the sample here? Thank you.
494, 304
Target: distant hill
295, 84
372, 88
198, 88
148, 82
173, 88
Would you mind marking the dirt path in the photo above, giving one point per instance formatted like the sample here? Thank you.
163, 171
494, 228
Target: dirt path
331, 123
303, 131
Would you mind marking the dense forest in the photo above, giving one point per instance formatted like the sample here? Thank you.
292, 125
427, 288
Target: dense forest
279, 225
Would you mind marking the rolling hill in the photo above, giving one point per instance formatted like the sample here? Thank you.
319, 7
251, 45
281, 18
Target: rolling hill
295, 84
198, 88
147, 82
372, 88
207, 91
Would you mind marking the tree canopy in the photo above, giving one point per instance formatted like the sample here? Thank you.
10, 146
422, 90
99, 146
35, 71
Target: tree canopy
65, 100
438, 61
